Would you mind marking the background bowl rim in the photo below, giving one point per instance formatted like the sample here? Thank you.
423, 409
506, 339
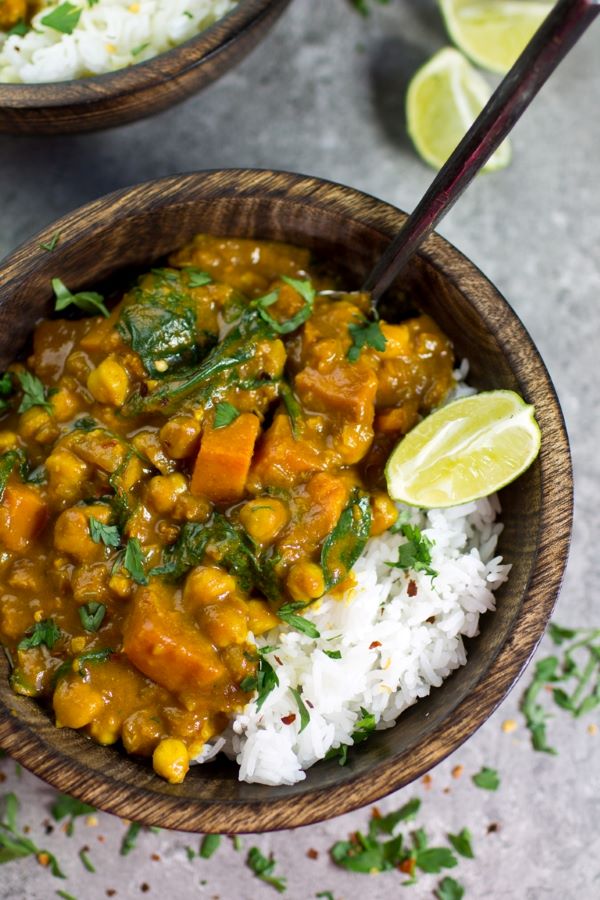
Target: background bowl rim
20, 740
165, 66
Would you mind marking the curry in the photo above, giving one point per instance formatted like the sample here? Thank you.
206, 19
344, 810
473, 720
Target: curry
13, 12
187, 471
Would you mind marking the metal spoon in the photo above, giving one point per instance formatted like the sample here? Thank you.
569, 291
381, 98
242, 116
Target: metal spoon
550, 44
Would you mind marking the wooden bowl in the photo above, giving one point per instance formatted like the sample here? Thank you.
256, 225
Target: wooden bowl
89, 104
134, 227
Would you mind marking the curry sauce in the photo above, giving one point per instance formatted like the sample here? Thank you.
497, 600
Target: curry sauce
190, 470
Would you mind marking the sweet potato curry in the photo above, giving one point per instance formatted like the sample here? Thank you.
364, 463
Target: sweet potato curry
188, 471
14, 12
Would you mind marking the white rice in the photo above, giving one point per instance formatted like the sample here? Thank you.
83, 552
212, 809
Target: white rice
109, 35
395, 643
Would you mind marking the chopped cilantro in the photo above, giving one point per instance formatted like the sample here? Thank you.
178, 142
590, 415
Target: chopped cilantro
65, 806
34, 393
365, 334
130, 837
333, 654
134, 561
266, 680
196, 277
210, 844
108, 535
83, 856
87, 301
415, 554
449, 889
488, 779
263, 868
14, 845
92, 615
462, 843
287, 613
44, 632
63, 18
225, 414
304, 713
51, 245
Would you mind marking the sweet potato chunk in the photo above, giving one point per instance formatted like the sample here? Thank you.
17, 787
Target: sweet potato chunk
326, 497
348, 389
281, 460
224, 459
22, 515
166, 646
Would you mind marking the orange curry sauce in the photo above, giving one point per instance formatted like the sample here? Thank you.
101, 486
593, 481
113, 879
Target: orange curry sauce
175, 474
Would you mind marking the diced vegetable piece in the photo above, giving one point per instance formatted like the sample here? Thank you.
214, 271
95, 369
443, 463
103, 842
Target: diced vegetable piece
225, 622
305, 581
109, 382
165, 645
72, 532
170, 760
348, 390
23, 514
75, 703
260, 617
327, 496
223, 463
283, 461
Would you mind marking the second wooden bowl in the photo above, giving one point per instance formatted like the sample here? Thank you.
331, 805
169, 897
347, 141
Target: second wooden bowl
137, 226
90, 104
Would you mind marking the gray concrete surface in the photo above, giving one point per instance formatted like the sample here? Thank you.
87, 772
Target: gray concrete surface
324, 95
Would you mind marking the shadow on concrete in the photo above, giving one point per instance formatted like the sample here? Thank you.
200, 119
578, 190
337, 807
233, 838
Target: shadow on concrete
393, 63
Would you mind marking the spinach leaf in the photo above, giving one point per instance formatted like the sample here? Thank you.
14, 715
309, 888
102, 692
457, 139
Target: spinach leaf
287, 613
185, 553
347, 541
6, 391
8, 461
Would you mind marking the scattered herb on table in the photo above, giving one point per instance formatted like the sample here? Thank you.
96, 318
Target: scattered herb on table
14, 845
51, 245
449, 889
263, 867
64, 806
462, 843
415, 554
487, 779
86, 301
130, 837
210, 844
578, 673
362, 6
83, 856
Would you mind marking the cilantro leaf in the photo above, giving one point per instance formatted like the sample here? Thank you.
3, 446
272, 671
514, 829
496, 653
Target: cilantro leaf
34, 392
306, 291
196, 277
487, 779
63, 18
304, 713
266, 680
44, 632
263, 868
134, 561
449, 889
387, 824
434, 859
210, 844
14, 845
92, 615
415, 554
87, 301
8, 461
108, 535
287, 613
64, 806
333, 654
365, 334
51, 245
225, 414
462, 843
346, 542
130, 837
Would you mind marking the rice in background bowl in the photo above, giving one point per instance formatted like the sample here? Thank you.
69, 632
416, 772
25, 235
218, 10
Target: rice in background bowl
110, 35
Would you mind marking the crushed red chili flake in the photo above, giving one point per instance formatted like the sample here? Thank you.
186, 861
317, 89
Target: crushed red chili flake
277, 660
493, 827
287, 720
374, 644
2, 777
308, 703
144, 888
457, 771
26, 829
411, 588
408, 866
427, 780
155, 857
375, 813
312, 853
100, 838
110, 892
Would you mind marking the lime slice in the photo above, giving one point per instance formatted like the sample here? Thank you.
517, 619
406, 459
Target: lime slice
493, 32
465, 450
444, 98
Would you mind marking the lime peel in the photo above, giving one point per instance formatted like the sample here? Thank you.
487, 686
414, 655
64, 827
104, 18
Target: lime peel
465, 450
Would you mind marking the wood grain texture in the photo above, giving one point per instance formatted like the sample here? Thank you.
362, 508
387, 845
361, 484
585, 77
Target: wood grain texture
91, 104
135, 227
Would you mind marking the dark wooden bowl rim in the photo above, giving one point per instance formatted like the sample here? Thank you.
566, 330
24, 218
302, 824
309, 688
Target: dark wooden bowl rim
270, 810
169, 64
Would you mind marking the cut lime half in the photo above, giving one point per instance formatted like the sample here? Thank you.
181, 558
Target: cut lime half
493, 33
444, 98
463, 451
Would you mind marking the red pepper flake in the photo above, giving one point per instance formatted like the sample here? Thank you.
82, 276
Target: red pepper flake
447, 791
43, 858
144, 888
26, 829
493, 827
408, 866
430, 620
2, 777
411, 588
287, 720
110, 892
375, 644
155, 857
308, 703
375, 813
457, 771
312, 853
427, 780
277, 660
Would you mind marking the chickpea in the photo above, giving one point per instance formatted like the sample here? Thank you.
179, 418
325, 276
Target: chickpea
180, 436
8, 440
121, 585
72, 532
67, 475
207, 584
225, 623
264, 518
163, 491
384, 513
76, 703
109, 382
36, 424
106, 730
192, 509
170, 760
305, 581
65, 404
260, 617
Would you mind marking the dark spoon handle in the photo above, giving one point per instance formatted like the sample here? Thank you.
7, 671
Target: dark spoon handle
556, 36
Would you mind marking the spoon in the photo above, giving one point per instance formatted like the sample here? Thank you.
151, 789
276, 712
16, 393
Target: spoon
563, 27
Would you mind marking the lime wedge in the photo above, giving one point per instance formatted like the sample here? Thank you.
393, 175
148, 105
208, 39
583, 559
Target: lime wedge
468, 449
444, 98
493, 33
